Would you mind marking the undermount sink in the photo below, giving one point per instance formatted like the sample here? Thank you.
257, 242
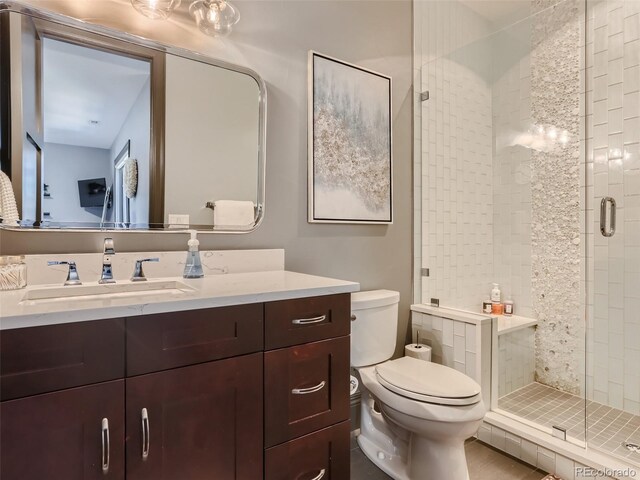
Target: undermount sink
120, 289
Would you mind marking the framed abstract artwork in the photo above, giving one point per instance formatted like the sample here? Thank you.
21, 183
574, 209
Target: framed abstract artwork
350, 165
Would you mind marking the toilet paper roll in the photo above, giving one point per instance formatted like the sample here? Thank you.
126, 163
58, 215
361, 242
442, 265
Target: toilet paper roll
419, 351
353, 388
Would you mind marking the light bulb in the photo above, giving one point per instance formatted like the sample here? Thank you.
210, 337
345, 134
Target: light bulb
214, 17
156, 9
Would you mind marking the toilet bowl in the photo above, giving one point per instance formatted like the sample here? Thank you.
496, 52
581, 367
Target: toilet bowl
416, 415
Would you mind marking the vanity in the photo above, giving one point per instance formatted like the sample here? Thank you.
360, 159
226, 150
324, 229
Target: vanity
244, 376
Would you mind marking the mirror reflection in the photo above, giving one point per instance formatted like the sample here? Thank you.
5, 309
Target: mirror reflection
94, 103
113, 134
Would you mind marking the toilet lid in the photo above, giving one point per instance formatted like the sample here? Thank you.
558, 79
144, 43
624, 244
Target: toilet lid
428, 382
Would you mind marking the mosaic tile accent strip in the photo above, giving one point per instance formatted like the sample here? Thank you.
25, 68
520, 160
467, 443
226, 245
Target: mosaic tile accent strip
555, 219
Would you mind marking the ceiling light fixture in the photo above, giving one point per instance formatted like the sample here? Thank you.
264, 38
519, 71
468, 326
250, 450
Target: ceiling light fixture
156, 9
214, 17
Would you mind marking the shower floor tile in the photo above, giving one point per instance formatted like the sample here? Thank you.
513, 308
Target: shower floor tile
548, 407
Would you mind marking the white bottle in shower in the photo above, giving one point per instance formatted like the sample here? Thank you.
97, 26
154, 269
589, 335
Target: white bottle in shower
495, 293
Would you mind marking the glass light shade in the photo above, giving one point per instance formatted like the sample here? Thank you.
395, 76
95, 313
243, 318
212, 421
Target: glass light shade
156, 9
214, 17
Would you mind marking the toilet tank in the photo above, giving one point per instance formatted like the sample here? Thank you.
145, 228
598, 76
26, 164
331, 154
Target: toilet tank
375, 328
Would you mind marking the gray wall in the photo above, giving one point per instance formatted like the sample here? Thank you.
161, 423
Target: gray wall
273, 38
211, 140
136, 129
63, 166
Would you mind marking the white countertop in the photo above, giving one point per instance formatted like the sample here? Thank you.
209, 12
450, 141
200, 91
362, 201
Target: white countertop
512, 323
210, 291
452, 313
504, 323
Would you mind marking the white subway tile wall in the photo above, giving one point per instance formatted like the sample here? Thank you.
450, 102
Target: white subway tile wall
511, 103
456, 155
456, 344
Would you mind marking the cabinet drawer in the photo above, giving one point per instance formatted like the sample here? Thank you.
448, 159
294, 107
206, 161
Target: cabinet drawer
53, 357
303, 320
306, 388
309, 456
177, 339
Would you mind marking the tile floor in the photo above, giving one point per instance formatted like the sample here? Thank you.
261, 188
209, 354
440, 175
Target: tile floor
485, 463
607, 427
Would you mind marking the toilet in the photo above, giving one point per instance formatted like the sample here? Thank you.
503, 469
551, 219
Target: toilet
416, 415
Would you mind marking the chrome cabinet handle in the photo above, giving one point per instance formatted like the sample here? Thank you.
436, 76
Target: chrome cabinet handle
305, 391
320, 475
603, 217
307, 321
145, 433
105, 446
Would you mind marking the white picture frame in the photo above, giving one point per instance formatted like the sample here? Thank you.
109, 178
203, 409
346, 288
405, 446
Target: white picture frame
350, 143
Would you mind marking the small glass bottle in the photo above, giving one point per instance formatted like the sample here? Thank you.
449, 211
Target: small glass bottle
508, 307
486, 306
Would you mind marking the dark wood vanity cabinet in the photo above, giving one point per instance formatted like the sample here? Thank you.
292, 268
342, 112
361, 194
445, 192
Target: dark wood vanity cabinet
197, 422
73, 434
312, 380
217, 393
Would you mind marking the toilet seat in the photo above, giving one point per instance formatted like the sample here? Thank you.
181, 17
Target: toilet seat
427, 382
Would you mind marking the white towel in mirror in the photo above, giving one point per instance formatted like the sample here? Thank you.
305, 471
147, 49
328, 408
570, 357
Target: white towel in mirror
233, 215
8, 208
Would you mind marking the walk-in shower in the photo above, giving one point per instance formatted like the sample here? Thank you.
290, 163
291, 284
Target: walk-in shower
527, 174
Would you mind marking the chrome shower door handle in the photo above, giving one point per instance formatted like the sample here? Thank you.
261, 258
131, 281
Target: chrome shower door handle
611, 229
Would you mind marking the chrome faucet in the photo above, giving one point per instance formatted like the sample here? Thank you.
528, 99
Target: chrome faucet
72, 275
138, 273
107, 272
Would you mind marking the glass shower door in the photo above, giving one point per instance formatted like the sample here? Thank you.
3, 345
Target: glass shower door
613, 190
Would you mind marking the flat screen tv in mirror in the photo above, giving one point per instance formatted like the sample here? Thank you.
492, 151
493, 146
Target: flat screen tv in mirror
92, 192
164, 133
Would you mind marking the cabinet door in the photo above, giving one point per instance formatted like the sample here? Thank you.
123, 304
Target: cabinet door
306, 388
320, 455
63, 435
197, 422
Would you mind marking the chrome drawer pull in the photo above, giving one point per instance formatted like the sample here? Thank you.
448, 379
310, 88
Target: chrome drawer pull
304, 391
105, 446
319, 476
306, 321
145, 434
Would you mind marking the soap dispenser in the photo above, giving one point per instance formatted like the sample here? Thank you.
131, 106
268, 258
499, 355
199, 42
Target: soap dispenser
193, 266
